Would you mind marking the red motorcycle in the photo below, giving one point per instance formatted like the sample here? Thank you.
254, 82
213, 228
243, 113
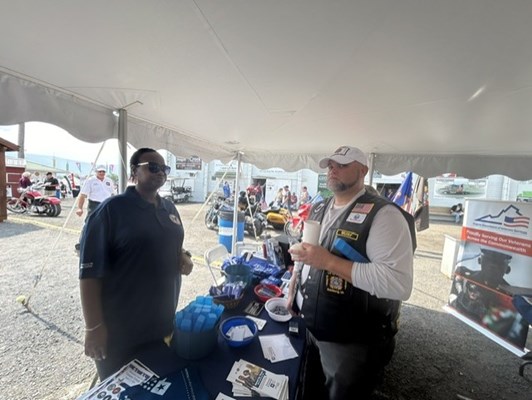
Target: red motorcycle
32, 201
294, 227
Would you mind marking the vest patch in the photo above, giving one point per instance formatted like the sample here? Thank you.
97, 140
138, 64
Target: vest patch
335, 284
363, 208
347, 234
356, 217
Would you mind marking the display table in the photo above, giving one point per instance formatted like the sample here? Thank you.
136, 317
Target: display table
215, 367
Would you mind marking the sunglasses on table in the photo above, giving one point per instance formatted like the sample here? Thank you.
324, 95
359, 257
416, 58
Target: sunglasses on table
153, 167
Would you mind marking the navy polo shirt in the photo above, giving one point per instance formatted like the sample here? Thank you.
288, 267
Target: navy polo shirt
134, 247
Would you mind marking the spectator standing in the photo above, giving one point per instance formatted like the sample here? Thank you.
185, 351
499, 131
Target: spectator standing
96, 189
351, 308
255, 192
287, 197
130, 268
304, 196
227, 190
278, 201
24, 181
51, 187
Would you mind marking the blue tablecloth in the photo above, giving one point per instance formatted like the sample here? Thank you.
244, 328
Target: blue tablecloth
215, 367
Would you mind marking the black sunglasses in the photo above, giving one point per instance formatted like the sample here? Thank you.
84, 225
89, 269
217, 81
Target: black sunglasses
153, 167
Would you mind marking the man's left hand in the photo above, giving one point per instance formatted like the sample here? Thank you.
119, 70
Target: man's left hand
315, 256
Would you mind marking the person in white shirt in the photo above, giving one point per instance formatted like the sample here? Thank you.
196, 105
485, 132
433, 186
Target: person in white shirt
352, 283
96, 189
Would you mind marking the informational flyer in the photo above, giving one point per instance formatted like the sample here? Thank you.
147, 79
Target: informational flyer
494, 264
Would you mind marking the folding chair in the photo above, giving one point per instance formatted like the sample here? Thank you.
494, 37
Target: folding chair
241, 248
215, 255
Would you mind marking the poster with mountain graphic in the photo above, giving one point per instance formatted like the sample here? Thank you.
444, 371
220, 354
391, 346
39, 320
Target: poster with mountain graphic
494, 265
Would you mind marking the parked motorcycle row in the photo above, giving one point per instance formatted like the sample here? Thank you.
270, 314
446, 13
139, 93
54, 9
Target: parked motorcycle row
33, 202
257, 220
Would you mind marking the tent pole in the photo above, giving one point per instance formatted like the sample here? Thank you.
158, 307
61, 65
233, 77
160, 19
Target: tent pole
371, 167
122, 149
235, 205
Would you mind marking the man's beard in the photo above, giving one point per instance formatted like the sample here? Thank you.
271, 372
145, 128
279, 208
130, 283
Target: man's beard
339, 187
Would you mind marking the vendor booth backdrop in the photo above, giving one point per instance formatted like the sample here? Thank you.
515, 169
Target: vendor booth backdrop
494, 262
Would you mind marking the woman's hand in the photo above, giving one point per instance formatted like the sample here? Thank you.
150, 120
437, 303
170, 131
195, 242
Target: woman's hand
96, 343
186, 262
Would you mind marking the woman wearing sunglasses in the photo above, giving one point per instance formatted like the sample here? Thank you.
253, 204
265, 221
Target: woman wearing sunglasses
130, 268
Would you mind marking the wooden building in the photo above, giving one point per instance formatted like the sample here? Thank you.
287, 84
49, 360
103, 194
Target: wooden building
7, 177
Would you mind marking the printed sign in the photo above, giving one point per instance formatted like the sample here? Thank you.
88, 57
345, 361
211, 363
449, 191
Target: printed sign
494, 264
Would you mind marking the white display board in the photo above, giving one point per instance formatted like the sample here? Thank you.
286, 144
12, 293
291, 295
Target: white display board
494, 258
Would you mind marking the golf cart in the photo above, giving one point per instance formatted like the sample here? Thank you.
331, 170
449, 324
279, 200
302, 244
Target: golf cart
175, 190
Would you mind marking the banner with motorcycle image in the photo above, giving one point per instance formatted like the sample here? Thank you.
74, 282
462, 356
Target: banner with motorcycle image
494, 266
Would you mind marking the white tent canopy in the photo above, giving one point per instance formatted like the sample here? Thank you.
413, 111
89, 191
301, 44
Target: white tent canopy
425, 85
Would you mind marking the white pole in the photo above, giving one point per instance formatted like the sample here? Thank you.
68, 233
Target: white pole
122, 149
371, 167
235, 206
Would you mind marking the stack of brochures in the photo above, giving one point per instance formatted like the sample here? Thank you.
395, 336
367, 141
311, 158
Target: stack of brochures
250, 380
135, 381
134, 373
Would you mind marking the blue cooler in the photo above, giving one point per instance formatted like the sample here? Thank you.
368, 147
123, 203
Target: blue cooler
225, 228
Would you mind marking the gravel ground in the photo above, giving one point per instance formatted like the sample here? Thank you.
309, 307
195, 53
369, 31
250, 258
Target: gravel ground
41, 349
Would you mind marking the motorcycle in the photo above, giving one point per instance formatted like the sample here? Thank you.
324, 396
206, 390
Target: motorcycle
277, 217
211, 216
31, 200
254, 220
294, 227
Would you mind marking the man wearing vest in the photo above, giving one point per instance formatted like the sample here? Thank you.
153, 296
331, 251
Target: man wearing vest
350, 288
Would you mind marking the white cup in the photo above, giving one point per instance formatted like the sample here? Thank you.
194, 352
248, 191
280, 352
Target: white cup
311, 232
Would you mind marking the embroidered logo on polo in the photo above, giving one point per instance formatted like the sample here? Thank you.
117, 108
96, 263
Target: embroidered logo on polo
347, 234
174, 219
335, 284
86, 265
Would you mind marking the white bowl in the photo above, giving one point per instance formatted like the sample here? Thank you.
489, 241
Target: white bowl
276, 308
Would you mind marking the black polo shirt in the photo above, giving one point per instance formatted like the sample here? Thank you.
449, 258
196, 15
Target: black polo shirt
134, 247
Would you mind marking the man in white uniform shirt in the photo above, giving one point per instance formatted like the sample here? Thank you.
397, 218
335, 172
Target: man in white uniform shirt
96, 189
352, 284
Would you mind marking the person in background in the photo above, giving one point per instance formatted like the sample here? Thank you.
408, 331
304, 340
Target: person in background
255, 192
458, 211
304, 196
287, 198
130, 268
52, 185
96, 189
278, 201
351, 308
24, 181
227, 190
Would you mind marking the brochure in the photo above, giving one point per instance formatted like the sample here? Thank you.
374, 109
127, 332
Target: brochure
247, 375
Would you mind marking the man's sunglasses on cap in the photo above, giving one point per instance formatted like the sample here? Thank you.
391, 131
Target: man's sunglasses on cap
153, 167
